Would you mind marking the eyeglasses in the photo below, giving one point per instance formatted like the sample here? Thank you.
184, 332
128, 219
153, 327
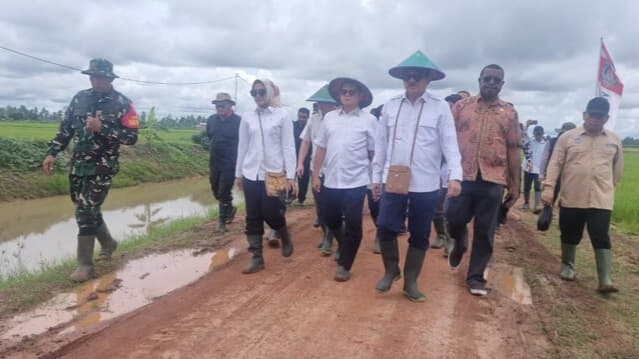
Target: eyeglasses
349, 92
415, 75
258, 92
489, 79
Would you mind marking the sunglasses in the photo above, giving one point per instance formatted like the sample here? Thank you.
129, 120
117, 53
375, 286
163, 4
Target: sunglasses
493, 79
258, 92
349, 92
415, 75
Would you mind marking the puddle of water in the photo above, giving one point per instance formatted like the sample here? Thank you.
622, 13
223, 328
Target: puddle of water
117, 293
509, 280
43, 231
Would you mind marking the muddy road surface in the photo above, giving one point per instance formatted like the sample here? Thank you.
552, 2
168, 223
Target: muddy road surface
294, 309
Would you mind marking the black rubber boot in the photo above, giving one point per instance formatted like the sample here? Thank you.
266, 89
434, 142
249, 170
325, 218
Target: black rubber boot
412, 269
230, 213
339, 235
376, 246
108, 245
327, 242
390, 257
256, 263
287, 243
221, 218
85, 269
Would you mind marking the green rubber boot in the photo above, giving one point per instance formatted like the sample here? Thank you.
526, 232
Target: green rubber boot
327, 242
604, 266
567, 269
412, 269
108, 245
85, 270
256, 263
390, 257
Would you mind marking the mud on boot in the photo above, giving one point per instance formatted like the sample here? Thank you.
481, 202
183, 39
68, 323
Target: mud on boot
327, 243
567, 268
603, 257
85, 270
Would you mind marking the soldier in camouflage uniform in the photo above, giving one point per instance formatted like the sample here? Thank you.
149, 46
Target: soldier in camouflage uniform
98, 120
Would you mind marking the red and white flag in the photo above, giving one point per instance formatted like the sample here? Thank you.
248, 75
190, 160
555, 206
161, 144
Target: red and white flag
608, 84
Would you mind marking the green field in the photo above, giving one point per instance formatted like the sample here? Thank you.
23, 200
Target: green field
626, 211
32, 130
159, 155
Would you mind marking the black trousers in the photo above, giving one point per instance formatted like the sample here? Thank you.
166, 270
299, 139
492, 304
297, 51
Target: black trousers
260, 208
302, 182
373, 206
222, 184
440, 215
529, 179
597, 221
345, 206
481, 200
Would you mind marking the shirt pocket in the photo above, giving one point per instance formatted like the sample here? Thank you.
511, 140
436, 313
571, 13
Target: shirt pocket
427, 133
575, 155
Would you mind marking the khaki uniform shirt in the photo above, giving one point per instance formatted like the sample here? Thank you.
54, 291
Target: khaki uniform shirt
590, 167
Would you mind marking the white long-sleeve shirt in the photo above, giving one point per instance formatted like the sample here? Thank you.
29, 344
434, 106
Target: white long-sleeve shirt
347, 138
279, 144
436, 137
311, 131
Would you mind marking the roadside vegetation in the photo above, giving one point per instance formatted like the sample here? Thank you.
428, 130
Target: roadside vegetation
161, 154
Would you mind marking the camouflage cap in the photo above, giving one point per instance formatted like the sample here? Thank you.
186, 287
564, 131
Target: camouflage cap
101, 67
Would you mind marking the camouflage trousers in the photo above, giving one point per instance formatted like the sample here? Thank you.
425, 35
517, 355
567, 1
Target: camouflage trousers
87, 194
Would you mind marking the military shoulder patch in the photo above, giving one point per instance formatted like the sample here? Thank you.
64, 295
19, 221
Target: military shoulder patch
130, 118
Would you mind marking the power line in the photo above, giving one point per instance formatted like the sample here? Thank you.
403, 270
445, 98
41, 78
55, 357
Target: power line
122, 78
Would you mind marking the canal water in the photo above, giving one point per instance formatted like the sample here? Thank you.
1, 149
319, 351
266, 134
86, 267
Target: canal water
41, 232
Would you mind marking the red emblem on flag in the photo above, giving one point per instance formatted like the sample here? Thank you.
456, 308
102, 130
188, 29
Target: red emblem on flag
607, 77
130, 118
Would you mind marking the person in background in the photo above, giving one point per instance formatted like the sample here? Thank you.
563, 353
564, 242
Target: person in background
545, 157
222, 130
302, 181
345, 148
98, 120
489, 138
266, 147
463, 93
373, 204
589, 162
324, 104
531, 168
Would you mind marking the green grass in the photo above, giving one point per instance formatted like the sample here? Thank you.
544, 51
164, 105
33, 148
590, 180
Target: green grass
626, 211
172, 155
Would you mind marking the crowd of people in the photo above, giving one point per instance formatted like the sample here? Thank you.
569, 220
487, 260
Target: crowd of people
416, 160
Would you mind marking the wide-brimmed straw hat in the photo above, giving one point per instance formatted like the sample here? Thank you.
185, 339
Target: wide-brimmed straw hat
322, 96
223, 97
335, 87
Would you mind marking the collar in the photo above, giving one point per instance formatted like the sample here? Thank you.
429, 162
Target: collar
269, 109
496, 102
355, 112
425, 97
582, 131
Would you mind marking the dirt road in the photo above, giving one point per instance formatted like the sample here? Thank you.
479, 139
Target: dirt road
295, 309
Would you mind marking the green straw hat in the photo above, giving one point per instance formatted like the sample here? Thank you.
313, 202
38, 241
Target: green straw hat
322, 96
417, 61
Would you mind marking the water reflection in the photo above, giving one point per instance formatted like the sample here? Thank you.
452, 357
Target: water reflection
43, 231
117, 293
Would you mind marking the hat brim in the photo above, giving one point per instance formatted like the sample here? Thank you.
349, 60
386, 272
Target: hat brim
433, 74
335, 86
215, 102
90, 72
598, 113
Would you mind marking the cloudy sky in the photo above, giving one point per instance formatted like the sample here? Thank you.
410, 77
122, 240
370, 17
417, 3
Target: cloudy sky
549, 49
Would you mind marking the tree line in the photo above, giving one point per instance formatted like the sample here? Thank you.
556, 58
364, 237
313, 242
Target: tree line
22, 113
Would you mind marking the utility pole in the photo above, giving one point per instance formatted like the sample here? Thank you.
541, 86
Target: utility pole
236, 77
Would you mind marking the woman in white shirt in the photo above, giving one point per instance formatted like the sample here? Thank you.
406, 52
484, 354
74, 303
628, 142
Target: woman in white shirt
266, 145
